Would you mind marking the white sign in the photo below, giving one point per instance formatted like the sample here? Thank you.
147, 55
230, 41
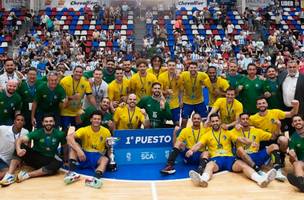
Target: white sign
76, 4
255, 4
9, 4
189, 4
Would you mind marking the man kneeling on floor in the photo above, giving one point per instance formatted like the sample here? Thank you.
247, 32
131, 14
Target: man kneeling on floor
91, 153
42, 156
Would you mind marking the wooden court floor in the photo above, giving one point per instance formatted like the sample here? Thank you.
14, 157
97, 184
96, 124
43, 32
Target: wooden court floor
223, 186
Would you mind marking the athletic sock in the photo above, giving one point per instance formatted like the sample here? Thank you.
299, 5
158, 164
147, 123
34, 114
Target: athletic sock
173, 155
256, 177
98, 174
202, 164
73, 164
205, 177
276, 159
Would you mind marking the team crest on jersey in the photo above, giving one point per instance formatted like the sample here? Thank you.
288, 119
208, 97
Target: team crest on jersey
12, 104
299, 145
54, 140
55, 96
82, 86
225, 138
26, 92
44, 96
1, 102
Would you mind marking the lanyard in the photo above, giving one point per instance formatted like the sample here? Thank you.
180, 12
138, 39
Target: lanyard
75, 89
193, 84
229, 108
32, 89
218, 140
10, 77
170, 80
245, 135
198, 135
97, 90
130, 116
16, 134
121, 89
143, 90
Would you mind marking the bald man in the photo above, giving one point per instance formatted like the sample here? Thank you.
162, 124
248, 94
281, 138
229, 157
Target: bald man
10, 103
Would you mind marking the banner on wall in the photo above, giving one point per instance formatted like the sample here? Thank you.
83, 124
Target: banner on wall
288, 3
9, 4
143, 146
255, 4
76, 4
189, 4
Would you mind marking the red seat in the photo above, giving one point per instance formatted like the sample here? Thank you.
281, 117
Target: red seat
129, 32
109, 44
117, 27
98, 27
79, 27
86, 22
215, 32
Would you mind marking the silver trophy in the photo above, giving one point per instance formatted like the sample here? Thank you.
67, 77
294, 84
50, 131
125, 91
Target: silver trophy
111, 141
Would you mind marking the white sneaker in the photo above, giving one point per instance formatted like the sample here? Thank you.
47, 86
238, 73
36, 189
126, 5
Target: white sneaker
22, 175
8, 179
280, 177
261, 173
71, 177
270, 176
196, 179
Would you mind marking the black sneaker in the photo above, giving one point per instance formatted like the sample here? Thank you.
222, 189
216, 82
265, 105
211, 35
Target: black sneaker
169, 169
293, 180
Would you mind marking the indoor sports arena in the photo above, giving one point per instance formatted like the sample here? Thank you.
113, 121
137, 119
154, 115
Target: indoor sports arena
140, 99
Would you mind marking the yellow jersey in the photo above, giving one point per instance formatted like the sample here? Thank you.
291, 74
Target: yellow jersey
173, 84
228, 112
93, 141
255, 135
267, 122
191, 136
162, 70
124, 119
220, 84
192, 87
118, 90
71, 88
218, 143
141, 86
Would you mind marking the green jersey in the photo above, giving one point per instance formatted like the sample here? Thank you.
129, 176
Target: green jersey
275, 101
107, 76
156, 115
48, 100
88, 74
297, 144
47, 144
85, 117
252, 90
234, 80
27, 94
8, 107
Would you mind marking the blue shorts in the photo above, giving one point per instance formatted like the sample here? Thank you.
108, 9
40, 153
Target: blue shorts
260, 157
3, 164
67, 121
199, 108
175, 115
194, 159
224, 162
91, 161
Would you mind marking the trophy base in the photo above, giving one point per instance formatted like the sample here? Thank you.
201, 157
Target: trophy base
112, 167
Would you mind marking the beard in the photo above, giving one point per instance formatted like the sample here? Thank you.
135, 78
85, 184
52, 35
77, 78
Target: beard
48, 127
216, 127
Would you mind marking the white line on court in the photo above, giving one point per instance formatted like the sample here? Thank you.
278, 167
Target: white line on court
153, 190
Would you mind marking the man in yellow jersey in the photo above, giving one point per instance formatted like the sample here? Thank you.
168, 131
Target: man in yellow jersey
130, 116
218, 141
251, 153
229, 109
128, 70
172, 86
216, 85
269, 120
91, 153
187, 138
75, 87
156, 66
141, 82
118, 89
192, 98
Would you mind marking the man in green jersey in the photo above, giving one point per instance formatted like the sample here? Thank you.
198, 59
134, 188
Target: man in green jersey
10, 103
107, 116
42, 156
296, 153
27, 91
273, 92
109, 71
156, 107
251, 87
49, 98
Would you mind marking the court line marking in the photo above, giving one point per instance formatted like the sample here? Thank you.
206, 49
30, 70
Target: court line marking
145, 181
153, 190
